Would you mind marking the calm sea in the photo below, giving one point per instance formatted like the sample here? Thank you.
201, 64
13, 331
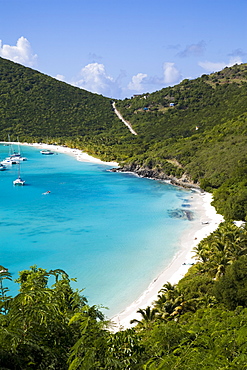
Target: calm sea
111, 231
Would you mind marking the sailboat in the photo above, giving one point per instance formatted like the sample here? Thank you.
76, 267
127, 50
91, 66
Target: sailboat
10, 159
17, 156
19, 180
14, 157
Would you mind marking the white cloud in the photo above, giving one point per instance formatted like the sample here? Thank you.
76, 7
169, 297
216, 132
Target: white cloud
141, 82
20, 53
234, 60
171, 73
213, 67
93, 77
136, 82
60, 77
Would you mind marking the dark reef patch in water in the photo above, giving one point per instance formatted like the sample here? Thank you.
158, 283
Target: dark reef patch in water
181, 213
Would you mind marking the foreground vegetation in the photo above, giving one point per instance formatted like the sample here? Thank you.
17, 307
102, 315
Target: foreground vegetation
194, 132
200, 323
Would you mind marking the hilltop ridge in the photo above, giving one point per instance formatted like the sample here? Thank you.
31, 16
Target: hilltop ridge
193, 133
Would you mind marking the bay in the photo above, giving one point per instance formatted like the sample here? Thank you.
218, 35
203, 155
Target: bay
112, 231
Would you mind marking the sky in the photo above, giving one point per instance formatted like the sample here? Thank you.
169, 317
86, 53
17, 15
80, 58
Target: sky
124, 47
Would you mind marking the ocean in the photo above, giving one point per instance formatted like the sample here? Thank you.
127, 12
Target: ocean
113, 232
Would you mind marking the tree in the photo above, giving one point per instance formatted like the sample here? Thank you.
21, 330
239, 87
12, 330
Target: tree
231, 289
35, 333
4, 275
148, 317
221, 248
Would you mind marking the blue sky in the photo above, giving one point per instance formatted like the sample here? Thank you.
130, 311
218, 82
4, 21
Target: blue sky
120, 48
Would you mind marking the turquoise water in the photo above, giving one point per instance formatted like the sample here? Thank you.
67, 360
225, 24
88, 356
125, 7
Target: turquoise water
111, 231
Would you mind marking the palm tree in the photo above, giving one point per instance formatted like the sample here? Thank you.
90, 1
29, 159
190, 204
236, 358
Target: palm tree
148, 317
171, 304
221, 248
170, 291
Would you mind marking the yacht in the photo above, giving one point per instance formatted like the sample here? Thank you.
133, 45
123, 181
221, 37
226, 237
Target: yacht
46, 152
11, 160
19, 180
17, 157
6, 162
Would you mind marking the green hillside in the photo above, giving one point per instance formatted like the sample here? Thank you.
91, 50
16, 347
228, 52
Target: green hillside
37, 108
203, 135
193, 133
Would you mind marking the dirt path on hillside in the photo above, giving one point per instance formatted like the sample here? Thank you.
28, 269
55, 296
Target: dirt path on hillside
123, 120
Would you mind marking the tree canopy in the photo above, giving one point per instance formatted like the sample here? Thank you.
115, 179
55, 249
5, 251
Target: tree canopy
194, 132
199, 323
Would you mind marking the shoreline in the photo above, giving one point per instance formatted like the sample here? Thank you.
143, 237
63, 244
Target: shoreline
207, 220
77, 153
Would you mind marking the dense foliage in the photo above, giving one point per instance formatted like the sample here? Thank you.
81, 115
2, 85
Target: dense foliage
202, 133
195, 130
35, 107
200, 323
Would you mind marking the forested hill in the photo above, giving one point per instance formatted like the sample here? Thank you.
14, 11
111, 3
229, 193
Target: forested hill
36, 107
196, 130
193, 132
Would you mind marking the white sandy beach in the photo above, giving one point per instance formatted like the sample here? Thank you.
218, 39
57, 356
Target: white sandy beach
206, 222
200, 228
79, 154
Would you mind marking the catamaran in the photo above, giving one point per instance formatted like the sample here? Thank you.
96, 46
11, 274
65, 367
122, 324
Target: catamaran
19, 180
6, 162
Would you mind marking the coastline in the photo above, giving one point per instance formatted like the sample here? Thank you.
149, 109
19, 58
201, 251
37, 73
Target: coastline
207, 220
77, 153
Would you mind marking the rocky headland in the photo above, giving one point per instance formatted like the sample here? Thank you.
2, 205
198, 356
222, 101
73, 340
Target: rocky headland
157, 174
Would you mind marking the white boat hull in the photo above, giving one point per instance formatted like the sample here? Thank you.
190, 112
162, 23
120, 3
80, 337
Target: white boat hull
19, 182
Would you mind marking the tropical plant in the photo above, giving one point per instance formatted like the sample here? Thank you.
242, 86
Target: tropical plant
221, 248
35, 331
4, 275
148, 316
